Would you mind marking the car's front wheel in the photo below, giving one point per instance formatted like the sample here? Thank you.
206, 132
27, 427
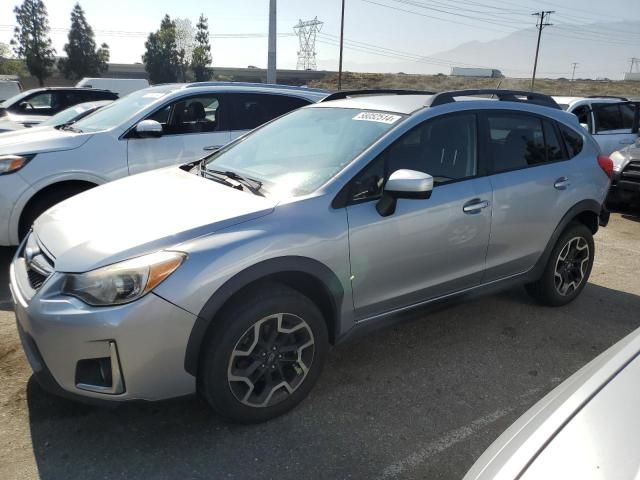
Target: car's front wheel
264, 355
567, 269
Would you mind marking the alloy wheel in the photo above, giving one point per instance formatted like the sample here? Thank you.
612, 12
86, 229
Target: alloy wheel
571, 266
271, 360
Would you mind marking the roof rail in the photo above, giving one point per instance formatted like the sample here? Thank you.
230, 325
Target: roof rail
342, 94
443, 98
625, 99
254, 84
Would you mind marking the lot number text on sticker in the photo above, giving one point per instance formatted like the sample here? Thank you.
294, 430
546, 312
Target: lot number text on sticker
377, 117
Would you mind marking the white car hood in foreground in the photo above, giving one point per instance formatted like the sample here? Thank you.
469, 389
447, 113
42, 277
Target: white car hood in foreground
586, 428
40, 140
140, 214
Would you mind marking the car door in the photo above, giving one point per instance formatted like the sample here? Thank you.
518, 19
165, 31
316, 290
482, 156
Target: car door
192, 127
250, 110
615, 125
534, 185
428, 247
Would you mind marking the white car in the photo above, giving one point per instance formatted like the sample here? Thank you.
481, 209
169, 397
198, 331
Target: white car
150, 128
121, 86
613, 121
585, 429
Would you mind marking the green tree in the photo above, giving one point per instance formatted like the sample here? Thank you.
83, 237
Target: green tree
161, 60
201, 56
31, 40
9, 65
83, 58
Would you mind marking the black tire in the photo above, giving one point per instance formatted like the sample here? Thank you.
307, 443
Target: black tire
237, 323
43, 202
547, 290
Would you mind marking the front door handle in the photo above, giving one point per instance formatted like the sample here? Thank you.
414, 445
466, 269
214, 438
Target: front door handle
562, 183
212, 148
474, 206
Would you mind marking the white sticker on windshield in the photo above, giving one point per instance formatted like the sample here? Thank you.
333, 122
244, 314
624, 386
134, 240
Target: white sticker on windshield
152, 95
377, 117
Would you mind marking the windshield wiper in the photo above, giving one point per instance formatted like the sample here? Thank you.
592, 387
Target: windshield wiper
69, 127
253, 186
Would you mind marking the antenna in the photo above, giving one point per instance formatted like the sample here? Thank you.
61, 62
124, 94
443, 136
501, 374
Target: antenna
307, 32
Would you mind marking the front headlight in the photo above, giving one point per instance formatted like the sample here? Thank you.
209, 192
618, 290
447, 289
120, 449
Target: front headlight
618, 158
122, 282
13, 163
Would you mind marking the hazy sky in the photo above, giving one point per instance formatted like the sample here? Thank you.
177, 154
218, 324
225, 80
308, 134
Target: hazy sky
406, 29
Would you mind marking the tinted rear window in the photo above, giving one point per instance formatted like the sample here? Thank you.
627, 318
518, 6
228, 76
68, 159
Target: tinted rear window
572, 140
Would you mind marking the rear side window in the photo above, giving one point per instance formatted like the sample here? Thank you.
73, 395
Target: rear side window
616, 116
572, 140
254, 109
515, 141
555, 151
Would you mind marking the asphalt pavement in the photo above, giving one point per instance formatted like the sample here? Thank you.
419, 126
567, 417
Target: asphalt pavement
422, 399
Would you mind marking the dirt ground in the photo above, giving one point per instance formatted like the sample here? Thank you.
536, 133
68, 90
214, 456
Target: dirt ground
419, 400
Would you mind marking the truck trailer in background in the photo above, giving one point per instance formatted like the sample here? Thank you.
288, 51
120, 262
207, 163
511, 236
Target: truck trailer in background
476, 72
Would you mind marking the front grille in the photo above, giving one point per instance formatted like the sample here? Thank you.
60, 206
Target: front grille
39, 265
631, 172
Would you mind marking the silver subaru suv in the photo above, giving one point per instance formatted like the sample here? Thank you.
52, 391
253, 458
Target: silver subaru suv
232, 275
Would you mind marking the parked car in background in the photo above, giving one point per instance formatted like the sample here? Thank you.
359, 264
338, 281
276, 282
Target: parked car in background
625, 185
613, 121
35, 106
65, 117
121, 86
586, 428
9, 88
150, 128
232, 274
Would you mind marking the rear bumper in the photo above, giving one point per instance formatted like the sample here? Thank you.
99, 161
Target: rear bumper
145, 340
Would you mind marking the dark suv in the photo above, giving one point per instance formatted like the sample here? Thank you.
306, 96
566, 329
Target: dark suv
34, 106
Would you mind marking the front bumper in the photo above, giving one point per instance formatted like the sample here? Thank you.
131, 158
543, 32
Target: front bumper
61, 335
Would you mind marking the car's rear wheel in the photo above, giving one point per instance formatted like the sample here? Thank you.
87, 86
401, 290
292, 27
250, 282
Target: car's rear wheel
264, 355
567, 269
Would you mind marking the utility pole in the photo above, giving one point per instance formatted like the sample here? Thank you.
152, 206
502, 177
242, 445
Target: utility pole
545, 14
573, 75
341, 47
271, 58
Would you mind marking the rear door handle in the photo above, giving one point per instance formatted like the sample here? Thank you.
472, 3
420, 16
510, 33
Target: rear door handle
562, 183
212, 148
474, 206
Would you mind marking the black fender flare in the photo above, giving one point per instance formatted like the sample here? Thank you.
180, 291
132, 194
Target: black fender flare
591, 206
279, 265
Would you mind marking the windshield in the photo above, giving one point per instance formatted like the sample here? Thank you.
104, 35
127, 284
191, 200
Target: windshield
299, 152
119, 111
66, 116
11, 100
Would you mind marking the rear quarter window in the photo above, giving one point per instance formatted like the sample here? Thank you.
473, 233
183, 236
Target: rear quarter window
572, 140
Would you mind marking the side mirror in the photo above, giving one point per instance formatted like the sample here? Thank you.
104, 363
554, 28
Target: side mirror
404, 184
149, 129
585, 126
23, 106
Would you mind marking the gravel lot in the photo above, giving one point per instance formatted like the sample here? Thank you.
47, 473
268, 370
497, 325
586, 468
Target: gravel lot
419, 400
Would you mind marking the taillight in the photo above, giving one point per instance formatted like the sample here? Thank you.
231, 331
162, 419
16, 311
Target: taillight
606, 164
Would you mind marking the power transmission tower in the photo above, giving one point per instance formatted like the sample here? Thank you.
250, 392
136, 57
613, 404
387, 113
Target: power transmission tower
543, 16
307, 32
634, 62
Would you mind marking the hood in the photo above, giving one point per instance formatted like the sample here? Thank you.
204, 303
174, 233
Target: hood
141, 214
41, 140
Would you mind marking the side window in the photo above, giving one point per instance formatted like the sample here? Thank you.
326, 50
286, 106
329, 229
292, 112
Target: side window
553, 145
38, 103
610, 117
192, 115
445, 148
628, 111
584, 115
572, 140
515, 141
254, 109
